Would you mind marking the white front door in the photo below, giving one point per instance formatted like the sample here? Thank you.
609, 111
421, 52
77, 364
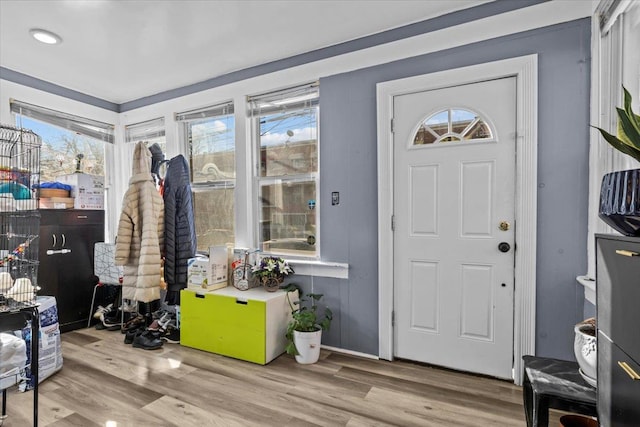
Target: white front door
453, 185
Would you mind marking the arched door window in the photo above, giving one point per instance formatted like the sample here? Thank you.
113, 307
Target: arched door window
453, 125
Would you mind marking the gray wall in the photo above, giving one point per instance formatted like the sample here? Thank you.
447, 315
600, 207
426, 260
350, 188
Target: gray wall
589, 310
348, 165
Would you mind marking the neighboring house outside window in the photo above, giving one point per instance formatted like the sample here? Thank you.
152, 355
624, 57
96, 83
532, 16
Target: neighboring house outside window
285, 140
209, 134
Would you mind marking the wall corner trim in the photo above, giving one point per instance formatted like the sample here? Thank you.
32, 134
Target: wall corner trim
45, 86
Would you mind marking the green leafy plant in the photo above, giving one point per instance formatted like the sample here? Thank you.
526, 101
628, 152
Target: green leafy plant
627, 140
305, 316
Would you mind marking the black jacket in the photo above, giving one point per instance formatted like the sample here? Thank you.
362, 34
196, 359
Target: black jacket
179, 223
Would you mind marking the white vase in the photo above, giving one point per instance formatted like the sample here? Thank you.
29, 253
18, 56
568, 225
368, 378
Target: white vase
585, 350
308, 345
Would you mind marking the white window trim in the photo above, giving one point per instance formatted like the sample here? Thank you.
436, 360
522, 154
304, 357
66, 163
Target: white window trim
253, 132
459, 135
183, 120
336, 270
606, 94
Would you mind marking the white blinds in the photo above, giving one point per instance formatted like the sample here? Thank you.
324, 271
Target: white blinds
295, 98
143, 131
608, 12
223, 109
81, 125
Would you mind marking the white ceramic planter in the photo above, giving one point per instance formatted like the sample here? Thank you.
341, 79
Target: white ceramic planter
584, 347
308, 345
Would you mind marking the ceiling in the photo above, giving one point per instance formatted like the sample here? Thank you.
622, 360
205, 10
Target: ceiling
121, 51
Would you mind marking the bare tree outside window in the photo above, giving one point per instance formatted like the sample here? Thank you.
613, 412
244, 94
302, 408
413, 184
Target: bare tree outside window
63, 151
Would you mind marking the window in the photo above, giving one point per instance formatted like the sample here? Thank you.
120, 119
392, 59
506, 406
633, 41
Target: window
285, 134
150, 131
616, 62
210, 136
452, 125
69, 143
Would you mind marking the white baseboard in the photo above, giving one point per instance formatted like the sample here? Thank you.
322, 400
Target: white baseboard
350, 352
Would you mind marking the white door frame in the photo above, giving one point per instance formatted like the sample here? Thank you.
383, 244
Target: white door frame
525, 69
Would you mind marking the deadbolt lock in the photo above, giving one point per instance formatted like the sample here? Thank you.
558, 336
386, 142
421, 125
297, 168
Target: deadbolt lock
504, 247
504, 225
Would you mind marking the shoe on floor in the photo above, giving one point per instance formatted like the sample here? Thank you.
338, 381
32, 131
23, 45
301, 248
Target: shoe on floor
100, 326
134, 323
154, 326
162, 323
172, 335
131, 334
101, 310
116, 319
147, 341
129, 306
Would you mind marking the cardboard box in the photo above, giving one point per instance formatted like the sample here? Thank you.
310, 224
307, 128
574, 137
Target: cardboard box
56, 202
87, 190
198, 273
207, 273
219, 260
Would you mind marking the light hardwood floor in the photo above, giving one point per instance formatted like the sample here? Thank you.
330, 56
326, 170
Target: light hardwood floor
104, 379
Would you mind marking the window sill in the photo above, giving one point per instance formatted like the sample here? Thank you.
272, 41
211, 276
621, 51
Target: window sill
336, 270
589, 288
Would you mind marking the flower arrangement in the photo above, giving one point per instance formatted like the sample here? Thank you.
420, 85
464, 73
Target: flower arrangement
272, 271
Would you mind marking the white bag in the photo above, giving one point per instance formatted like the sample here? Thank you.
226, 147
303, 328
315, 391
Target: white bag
13, 358
50, 345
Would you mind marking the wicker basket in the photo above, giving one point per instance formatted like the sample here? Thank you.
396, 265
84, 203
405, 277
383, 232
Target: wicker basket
53, 192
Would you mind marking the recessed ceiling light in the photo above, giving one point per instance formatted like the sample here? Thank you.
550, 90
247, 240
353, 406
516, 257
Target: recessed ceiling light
45, 36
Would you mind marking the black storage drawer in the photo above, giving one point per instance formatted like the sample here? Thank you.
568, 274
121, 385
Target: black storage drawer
618, 386
72, 217
618, 291
67, 238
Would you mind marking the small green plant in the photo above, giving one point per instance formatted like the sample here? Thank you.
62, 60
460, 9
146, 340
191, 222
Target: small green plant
305, 317
628, 139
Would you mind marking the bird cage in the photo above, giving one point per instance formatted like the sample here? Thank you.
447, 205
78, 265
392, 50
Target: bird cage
19, 217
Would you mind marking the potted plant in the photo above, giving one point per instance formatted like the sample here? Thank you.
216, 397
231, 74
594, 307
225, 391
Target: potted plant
620, 191
585, 349
304, 331
272, 270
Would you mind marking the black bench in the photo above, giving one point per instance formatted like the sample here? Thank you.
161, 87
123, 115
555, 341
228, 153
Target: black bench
552, 383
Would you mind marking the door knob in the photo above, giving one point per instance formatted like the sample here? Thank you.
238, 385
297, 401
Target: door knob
504, 247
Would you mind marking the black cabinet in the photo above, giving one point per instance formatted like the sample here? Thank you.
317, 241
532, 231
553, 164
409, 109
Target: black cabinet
67, 238
618, 293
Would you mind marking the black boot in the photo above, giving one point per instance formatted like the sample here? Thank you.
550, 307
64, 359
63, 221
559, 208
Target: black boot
146, 340
132, 333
